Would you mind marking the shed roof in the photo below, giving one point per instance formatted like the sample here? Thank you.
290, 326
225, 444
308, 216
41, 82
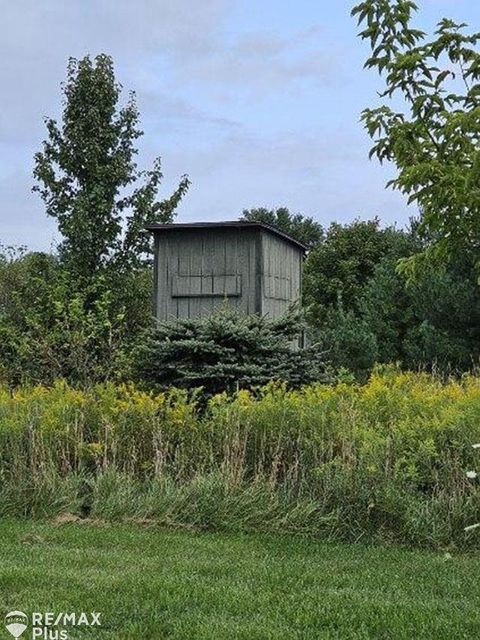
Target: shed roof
240, 224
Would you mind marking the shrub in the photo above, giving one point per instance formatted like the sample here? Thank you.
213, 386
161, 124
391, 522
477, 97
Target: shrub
49, 329
348, 342
227, 351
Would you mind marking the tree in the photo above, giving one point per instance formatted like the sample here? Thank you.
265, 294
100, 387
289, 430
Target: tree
227, 351
348, 342
388, 309
364, 310
302, 228
97, 299
339, 268
433, 138
431, 322
89, 180
49, 330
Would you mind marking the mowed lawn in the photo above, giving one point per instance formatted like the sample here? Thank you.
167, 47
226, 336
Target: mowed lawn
155, 583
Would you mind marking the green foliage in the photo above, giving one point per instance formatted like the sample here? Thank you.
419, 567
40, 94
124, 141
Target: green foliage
432, 322
77, 315
305, 230
228, 350
349, 342
434, 139
50, 330
364, 310
383, 461
88, 177
340, 267
388, 307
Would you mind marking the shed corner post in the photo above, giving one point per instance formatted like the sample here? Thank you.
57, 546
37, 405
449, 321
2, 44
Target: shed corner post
155, 277
259, 269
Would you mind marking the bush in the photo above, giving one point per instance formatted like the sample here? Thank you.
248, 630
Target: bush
348, 342
227, 351
385, 460
430, 323
50, 330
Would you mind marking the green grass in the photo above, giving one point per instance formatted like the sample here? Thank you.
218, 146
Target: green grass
181, 585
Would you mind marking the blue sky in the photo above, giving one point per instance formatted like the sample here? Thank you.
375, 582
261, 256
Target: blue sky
258, 102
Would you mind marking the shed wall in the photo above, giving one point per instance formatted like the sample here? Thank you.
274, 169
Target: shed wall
196, 270
281, 275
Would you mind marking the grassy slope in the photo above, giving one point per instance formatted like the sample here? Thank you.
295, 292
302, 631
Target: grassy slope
152, 583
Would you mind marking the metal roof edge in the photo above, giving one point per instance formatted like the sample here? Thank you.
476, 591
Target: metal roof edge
227, 224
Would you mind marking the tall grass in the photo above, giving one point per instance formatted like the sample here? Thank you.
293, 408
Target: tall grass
385, 460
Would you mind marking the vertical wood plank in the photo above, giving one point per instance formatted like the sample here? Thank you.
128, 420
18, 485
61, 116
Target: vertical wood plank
212, 261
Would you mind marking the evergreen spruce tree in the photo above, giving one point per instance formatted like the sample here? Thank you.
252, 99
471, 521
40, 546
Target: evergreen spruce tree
227, 351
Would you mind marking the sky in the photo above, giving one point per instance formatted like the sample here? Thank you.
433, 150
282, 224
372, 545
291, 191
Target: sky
258, 102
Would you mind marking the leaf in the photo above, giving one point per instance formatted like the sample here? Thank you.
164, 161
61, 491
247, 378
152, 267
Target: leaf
441, 77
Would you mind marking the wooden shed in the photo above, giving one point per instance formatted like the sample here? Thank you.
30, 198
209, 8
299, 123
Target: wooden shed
198, 266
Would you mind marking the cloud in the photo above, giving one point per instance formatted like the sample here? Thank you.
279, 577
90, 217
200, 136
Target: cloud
328, 178
254, 105
38, 39
165, 109
255, 64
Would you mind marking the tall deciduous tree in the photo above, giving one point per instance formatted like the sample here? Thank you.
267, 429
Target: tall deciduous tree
304, 229
432, 134
88, 177
337, 270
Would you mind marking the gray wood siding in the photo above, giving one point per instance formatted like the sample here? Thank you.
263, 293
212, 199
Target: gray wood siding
196, 271
281, 275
